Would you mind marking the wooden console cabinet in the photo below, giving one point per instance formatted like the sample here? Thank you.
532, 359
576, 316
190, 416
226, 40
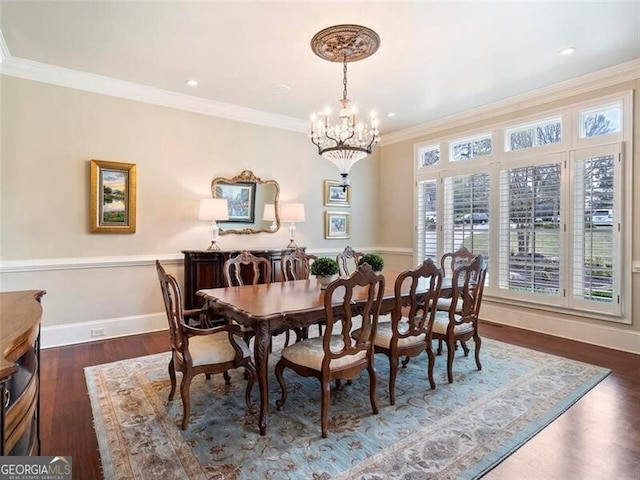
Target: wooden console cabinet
20, 314
203, 269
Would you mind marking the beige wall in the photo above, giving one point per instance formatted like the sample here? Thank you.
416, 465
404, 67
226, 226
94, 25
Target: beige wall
50, 133
396, 168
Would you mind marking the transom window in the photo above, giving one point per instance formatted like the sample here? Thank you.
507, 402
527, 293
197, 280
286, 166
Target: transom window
545, 132
471, 147
601, 121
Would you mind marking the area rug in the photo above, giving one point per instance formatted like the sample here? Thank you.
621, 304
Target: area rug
457, 431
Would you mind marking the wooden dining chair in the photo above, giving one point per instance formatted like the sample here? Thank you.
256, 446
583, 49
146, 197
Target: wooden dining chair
462, 324
449, 263
200, 350
338, 356
408, 334
248, 269
348, 261
296, 265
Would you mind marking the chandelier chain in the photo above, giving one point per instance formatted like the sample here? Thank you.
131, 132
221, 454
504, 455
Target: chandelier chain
344, 78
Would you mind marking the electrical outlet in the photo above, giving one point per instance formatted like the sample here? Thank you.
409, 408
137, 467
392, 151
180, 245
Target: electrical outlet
98, 332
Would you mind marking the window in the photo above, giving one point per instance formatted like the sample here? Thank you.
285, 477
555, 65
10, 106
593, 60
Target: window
600, 121
545, 132
471, 148
550, 221
429, 156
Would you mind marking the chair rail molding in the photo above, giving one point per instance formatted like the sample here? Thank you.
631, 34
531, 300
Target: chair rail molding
73, 263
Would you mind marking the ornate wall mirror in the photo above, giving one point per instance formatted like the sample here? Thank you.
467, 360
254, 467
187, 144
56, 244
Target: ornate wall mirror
253, 203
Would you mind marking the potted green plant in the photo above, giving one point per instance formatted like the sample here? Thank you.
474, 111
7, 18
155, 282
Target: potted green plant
374, 260
325, 270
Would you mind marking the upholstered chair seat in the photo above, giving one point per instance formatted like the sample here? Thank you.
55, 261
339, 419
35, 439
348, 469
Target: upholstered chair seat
442, 322
444, 304
310, 352
215, 348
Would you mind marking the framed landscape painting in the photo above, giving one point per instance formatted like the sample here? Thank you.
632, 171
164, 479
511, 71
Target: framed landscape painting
335, 195
337, 225
241, 198
113, 197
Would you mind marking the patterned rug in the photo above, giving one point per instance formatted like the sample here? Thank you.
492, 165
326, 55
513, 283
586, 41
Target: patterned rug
457, 431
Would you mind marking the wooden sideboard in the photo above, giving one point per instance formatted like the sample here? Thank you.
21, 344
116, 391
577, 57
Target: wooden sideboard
203, 269
20, 314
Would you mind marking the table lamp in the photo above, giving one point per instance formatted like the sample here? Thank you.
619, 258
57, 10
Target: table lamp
214, 209
292, 213
269, 215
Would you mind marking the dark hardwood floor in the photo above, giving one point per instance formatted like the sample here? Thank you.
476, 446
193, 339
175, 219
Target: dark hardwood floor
598, 437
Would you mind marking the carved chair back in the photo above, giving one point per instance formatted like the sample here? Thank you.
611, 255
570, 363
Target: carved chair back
419, 308
246, 269
348, 261
340, 292
451, 261
296, 265
468, 287
172, 297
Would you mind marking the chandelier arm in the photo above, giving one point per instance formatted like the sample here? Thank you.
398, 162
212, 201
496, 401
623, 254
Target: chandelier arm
342, 142
374, 139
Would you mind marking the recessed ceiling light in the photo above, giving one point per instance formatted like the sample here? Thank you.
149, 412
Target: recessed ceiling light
280, 88
192, 83
567, 51
391, 114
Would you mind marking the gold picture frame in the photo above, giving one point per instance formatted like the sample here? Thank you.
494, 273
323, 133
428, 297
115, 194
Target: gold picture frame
337, 225
335, 195
113, 197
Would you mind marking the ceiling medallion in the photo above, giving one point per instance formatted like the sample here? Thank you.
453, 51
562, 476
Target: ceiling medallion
346, 141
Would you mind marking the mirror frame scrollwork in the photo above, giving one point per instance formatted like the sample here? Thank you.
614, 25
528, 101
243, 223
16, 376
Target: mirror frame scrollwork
248, 176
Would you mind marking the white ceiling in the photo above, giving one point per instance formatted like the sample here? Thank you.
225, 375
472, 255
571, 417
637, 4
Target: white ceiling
435, 59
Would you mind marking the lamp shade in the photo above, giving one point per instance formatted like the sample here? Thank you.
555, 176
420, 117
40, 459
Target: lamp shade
292, 212
213, 209
269, 214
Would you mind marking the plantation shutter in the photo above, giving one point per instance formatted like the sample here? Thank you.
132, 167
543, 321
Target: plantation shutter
464, 196
530, 233
427, 245
596, 243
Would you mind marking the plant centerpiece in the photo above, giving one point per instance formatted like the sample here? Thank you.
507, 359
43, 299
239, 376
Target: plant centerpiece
373, 259
325, 270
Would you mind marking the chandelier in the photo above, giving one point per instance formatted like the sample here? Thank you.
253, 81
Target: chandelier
348, 140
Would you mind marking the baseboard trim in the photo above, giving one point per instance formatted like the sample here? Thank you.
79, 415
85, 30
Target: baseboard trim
71, 334
624, 340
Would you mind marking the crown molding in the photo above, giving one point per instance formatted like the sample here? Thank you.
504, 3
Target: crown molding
575, 86
64, 77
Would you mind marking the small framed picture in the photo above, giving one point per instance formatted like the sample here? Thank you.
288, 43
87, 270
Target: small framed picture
335, 195
337, 225
241, 198
113, 197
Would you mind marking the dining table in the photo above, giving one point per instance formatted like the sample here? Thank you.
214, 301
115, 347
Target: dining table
272, 307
